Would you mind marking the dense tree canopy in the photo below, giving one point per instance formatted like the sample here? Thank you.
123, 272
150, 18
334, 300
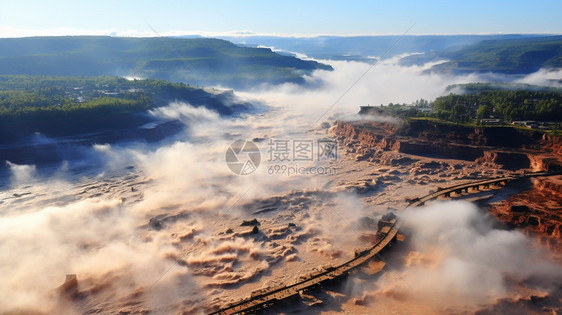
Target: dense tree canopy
506, 105
198, 61
32, 98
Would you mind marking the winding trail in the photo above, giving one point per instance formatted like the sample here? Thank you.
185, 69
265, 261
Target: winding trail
265, 298
475, 186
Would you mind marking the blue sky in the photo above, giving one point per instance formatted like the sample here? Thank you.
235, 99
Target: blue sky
279, 17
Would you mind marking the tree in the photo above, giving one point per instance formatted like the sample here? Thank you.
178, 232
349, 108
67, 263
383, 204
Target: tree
483, 111
459, 112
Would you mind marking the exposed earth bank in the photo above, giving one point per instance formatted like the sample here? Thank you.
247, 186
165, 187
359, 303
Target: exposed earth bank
535, 209
499, 147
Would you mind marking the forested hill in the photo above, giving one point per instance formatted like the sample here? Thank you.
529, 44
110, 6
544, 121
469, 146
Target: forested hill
520, 55
68, 106
509, 56
488, 103
197, 61
362, 47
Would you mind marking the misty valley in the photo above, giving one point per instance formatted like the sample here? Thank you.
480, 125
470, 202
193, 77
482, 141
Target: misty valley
413, 174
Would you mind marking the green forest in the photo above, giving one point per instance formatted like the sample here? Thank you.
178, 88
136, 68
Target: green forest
481, 103
513, 56
506, 105
197, 61
40, 98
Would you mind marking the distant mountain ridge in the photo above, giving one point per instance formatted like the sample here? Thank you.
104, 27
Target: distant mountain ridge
500, 53
506, 56
361, 47
197, 61
517, 56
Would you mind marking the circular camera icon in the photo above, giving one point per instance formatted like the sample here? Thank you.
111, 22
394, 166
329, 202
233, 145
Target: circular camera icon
243, 157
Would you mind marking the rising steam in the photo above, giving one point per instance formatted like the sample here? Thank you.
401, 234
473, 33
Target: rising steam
157, 227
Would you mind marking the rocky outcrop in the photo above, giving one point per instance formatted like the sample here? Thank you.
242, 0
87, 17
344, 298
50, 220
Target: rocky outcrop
537, 211
544, 162
439, 150
551, 144
364, 135
507, 160
496, 147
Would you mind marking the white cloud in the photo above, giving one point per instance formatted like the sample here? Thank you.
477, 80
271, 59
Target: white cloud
10, 32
